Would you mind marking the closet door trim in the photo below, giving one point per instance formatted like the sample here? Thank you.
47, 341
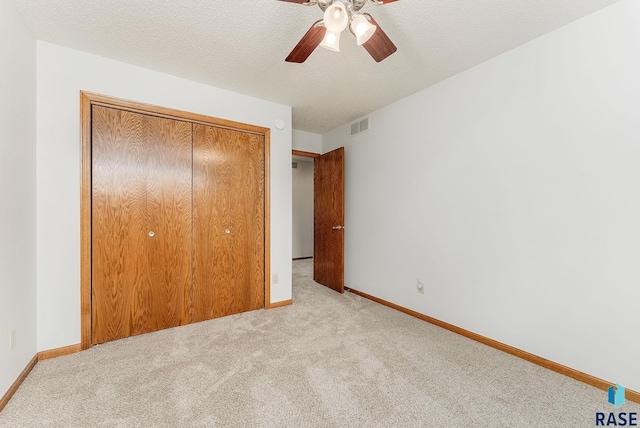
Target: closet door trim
87, 101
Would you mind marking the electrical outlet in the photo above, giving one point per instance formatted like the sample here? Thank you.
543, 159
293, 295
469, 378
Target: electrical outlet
420, 287
12, 340
274, 278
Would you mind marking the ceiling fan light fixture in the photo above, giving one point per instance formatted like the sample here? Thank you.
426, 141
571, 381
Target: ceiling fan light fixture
331, 41
336, 17
362, 29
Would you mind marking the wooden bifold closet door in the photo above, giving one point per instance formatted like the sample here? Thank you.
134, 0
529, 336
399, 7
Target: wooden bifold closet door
141, 223
177, 223
228, 222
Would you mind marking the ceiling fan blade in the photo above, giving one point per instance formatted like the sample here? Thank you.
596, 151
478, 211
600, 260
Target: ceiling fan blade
308, 43
379, 45
301, 1
381, 1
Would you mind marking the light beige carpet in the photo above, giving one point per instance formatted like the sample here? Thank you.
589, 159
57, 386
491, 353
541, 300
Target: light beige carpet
330, 360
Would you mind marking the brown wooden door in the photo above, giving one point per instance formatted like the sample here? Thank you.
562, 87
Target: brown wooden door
247, 223
228, 222
328, 220
141, 223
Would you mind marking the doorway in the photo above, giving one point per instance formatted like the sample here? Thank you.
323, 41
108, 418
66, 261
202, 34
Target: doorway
328, 218
302, 199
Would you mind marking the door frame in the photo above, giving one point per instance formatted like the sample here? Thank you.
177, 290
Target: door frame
87, 101
305, 154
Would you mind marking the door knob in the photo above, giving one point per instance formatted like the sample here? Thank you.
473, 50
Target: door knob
152, 234
227, 231
338, 227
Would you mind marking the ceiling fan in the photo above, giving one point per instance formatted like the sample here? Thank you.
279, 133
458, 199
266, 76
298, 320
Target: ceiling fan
338, 15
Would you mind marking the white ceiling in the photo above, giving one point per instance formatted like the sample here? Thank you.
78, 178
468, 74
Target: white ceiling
240, 45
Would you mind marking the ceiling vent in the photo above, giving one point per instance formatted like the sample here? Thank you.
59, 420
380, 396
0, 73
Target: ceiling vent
360, 126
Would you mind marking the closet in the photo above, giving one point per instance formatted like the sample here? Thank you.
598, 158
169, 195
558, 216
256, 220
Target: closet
177, 221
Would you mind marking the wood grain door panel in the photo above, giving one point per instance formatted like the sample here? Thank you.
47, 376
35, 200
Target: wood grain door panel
212, 183
169, 206
141, 183
247, 222
228, 237
328, 208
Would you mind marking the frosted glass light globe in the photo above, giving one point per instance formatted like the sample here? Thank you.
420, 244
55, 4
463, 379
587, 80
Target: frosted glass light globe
331, 41
362, 28
336, 17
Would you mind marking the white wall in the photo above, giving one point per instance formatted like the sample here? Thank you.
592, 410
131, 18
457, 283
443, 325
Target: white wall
302, 180
17, 194
306, 141
513, 191
61, 74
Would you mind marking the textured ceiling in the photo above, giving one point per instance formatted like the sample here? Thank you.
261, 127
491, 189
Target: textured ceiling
240, 45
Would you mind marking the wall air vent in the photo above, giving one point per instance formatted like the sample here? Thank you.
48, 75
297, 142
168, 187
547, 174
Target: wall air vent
294, 164
360, 126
